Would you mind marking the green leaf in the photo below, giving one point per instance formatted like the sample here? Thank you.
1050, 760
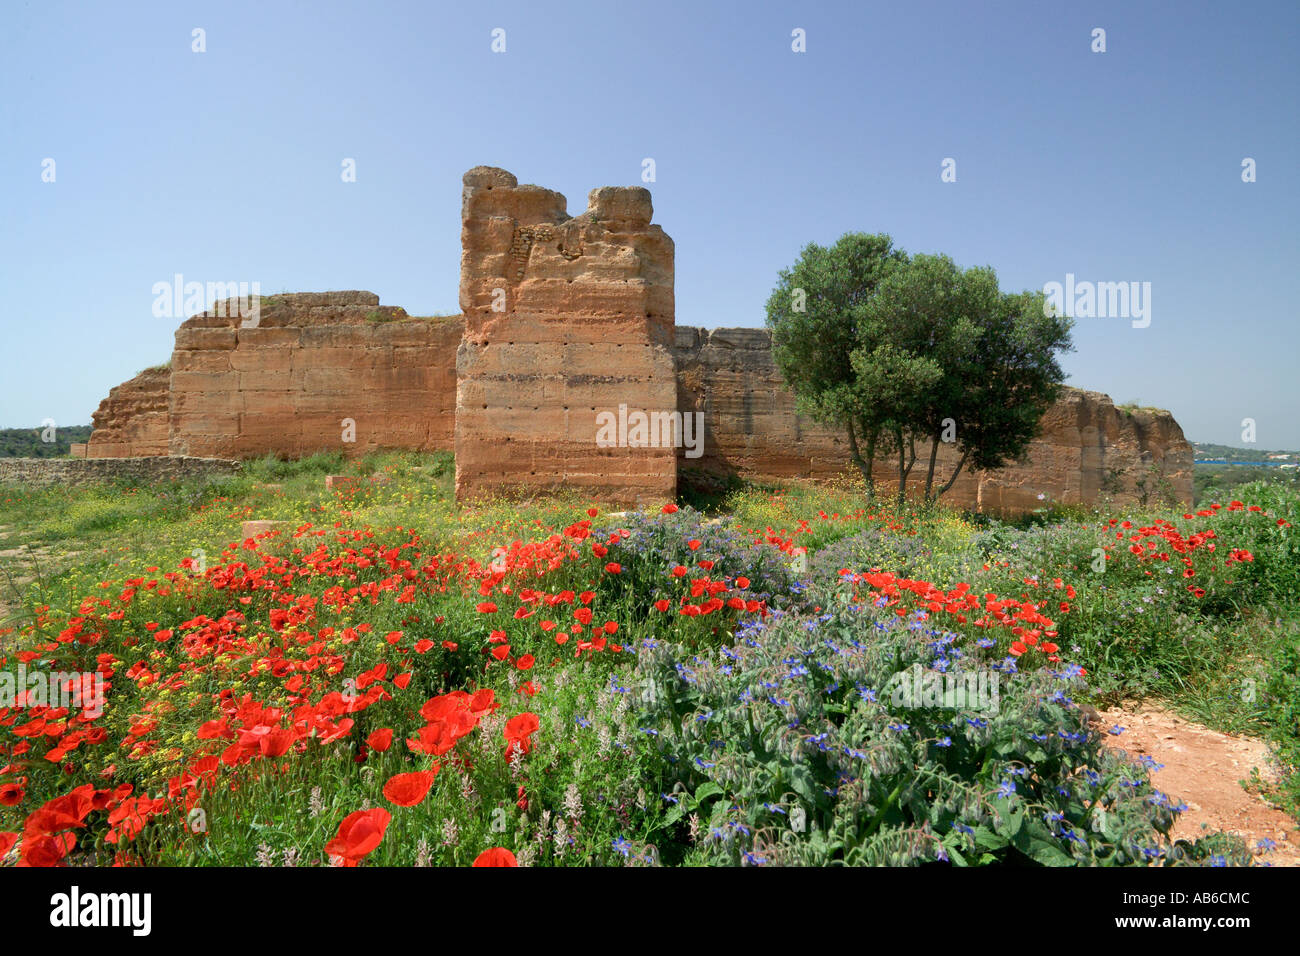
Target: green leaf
705, 792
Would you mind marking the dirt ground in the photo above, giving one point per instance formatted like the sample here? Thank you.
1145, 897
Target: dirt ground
1204, 769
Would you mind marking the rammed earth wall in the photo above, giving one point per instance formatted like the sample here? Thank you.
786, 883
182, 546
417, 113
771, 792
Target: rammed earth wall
568, 322
320, 370
566, 318
1087, 448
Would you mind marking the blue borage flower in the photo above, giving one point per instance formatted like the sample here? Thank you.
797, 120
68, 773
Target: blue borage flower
616, 687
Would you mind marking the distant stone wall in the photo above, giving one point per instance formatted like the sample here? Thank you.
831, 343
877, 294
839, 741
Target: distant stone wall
1087, 448
132, 421
75, 471
313, 360
565, 318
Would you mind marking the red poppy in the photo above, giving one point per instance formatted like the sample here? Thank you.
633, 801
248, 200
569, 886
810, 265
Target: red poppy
11, 794
525, 663
380, 740
44, 850
518, 732
408, 789
497, 856
7, 841
359, 834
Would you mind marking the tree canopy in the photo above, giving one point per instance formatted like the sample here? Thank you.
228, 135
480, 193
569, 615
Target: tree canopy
899, 350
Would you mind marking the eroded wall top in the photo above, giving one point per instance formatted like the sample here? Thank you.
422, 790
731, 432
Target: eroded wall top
312, 371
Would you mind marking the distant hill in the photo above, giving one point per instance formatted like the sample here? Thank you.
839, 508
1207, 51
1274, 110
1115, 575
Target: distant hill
1221, 468
26, 442
1205, 449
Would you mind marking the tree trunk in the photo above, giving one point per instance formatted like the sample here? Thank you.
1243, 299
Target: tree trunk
904, 466
955, 472
864, 464
929, 474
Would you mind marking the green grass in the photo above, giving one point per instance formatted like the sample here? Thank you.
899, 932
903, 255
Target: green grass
1230, 661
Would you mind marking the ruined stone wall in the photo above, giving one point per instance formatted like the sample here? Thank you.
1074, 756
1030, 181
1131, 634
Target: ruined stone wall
285, 385
138, 470
1087, 448
132, 420
565, 318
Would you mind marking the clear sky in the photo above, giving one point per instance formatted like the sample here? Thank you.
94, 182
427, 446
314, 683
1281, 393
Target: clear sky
226, 165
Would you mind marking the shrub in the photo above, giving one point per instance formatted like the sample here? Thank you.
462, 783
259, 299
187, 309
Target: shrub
795, 746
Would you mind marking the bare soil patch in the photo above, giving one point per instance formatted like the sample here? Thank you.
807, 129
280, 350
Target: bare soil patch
1205, 769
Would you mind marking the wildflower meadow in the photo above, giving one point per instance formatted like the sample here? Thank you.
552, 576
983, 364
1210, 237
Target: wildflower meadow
793, 676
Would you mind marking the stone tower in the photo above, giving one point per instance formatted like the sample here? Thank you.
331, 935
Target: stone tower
568, 322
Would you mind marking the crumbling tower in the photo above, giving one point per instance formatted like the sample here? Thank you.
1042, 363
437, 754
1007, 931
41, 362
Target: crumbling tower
566, 318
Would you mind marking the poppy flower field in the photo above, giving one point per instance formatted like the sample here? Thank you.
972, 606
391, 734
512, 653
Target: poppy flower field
555, 685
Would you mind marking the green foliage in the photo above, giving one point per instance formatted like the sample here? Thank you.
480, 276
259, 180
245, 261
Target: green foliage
897, 349
793, 747
27, 442
697, 743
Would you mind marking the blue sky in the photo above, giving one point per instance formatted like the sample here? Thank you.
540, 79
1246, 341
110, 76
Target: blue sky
1115, 166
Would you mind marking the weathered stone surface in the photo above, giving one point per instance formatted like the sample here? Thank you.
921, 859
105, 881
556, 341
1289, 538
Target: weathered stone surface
144, 471
1087, 449
565, 318
132, 421
318, 371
